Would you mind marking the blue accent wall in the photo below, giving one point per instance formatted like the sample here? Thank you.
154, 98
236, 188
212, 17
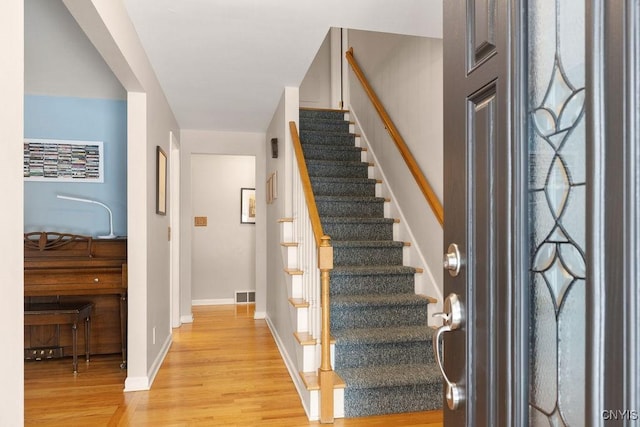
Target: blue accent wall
51, 117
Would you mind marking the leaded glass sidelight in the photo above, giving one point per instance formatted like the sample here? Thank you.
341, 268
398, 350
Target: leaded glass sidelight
557, 212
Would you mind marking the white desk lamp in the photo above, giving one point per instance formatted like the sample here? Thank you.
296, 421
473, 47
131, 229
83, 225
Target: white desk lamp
77, 199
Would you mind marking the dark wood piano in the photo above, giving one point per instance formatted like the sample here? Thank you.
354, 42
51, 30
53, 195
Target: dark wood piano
62, 267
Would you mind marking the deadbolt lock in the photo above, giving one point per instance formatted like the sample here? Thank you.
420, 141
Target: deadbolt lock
452, 260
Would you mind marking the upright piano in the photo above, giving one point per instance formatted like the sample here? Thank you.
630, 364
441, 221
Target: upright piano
61, 267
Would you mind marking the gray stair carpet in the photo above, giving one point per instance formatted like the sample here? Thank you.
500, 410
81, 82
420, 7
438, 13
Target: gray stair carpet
383, 345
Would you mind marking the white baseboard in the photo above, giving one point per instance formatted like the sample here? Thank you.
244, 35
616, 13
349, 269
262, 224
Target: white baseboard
260, 315
136, 384
188, 318
144, 383
157, 363
221, 301
291, 368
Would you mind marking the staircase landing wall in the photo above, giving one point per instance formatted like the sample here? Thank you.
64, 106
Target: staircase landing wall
406, 73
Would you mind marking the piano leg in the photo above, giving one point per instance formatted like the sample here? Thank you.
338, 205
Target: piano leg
87, 337
123, 329
74, 334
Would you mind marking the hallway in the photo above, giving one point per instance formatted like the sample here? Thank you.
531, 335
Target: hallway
222, 370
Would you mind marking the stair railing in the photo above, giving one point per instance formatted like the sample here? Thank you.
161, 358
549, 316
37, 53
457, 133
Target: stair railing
415, 170
318, 256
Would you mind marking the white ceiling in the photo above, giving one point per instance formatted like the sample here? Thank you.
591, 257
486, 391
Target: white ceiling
223, 64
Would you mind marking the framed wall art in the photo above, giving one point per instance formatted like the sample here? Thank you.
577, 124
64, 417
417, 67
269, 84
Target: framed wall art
161, 182
63, 160
247, 205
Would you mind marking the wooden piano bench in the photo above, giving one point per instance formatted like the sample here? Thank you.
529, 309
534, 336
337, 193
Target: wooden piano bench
63, 314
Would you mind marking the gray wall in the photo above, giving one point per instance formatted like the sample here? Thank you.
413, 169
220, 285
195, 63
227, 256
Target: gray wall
406, 73
280, 316
315, 89
223, 254
59, 59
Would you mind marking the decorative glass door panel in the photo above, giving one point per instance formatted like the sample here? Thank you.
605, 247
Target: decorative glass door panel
557, 203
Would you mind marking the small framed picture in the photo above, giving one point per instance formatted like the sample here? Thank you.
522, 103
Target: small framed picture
247, 205
161, 182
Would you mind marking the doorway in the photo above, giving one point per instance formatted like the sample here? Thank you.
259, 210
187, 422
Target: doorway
223, 244
174, 230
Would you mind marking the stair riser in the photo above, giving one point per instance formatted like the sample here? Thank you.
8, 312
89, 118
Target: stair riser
361, 355
343, 189
321, 115
385, 400
310, 137
373, 284
378, 316
339, 155
373, 209
338, 126
358, 231
367, 256
338, 169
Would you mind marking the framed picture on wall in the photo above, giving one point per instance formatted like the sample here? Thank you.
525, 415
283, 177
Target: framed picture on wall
161, 182
269, 188
247, 205
63, 161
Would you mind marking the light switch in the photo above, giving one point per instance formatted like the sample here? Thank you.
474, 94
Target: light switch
200, 221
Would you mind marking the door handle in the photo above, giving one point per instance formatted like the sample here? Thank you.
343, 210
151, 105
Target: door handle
453, 318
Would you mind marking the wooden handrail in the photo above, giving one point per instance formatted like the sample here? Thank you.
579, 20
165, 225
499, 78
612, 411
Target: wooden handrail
421, 180
316, 225
325, 265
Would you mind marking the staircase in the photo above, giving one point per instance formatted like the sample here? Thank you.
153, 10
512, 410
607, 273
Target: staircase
383, 348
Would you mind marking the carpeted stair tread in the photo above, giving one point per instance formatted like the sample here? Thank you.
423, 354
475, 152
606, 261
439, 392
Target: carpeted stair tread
337, 148
366, 244
343, 186
398, 334
341, 180
327, 138
321, 114
372, 279
322, 132
330, 147
325, 131
309, 118
337, 168
336, 162
368, 270
342, 228
328, 125
378, 300
349, 199
390, 376
345, 206
356, 220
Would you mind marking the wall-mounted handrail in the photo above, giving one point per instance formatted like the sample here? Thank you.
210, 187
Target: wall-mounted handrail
415, 170
325, 265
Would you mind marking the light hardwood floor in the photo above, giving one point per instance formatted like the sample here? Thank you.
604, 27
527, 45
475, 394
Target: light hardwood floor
222, 370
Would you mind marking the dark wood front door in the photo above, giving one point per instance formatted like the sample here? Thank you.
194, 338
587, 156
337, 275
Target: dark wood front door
542, 199
482, 178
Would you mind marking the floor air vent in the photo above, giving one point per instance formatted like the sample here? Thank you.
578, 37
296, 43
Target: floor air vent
245, 297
